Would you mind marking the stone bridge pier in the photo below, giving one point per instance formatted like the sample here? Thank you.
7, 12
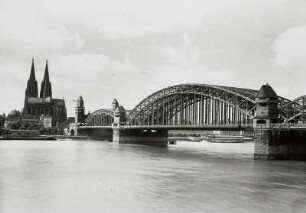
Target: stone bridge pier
134, 135
272, 141
151, 137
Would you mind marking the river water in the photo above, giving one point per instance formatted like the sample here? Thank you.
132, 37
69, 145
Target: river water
93, 176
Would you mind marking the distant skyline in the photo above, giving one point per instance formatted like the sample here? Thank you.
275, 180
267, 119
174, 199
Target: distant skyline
129, 49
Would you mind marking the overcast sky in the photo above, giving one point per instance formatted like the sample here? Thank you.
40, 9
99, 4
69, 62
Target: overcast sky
128, 49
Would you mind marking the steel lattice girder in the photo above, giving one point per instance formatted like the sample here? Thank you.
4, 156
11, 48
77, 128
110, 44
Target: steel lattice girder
295, 109
243, 99
98, 115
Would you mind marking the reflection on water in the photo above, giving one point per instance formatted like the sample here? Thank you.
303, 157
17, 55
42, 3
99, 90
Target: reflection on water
91, 176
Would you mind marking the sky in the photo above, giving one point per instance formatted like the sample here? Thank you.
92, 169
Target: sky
103, 49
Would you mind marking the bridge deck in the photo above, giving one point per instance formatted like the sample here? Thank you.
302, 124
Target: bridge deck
178, 127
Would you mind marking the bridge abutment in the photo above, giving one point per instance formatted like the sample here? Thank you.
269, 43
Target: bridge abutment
141, 136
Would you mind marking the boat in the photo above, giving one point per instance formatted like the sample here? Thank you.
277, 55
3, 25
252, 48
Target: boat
172, 142
78, 137
225, 139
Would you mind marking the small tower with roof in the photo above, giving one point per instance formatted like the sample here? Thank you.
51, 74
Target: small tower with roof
119, 114
115, 104
79, 111
266, 107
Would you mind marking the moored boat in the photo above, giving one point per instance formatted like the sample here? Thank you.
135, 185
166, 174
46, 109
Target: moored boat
227, 139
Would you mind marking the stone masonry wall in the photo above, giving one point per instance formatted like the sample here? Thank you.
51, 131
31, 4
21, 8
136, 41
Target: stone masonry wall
280, 144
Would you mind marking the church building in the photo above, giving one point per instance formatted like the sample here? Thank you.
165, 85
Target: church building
45, 105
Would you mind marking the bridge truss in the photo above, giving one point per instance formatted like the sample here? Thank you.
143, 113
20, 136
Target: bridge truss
101, 117
294, 111
199, 105
195, 104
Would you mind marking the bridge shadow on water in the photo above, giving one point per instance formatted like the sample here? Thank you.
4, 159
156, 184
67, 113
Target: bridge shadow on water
195, 151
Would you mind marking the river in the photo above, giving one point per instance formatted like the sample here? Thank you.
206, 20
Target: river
93, 176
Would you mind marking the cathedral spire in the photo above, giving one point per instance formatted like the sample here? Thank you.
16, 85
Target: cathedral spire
32, 89
32, 75
46, 90
46, 77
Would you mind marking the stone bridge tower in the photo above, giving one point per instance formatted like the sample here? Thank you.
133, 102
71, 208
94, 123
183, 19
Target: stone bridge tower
266, 113
119, 114
79, 113
266, 107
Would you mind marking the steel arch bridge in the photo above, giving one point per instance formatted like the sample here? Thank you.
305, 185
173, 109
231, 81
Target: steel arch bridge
195, 104
101, 117
199, 105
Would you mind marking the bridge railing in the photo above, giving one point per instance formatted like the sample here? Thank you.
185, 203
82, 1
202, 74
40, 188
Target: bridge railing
188, 126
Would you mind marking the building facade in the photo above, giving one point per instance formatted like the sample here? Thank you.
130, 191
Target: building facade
44, 105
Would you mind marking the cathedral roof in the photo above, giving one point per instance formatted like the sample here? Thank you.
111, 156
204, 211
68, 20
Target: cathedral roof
59, 101
35, 100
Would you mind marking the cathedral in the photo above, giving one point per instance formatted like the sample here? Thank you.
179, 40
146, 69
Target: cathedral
45, 105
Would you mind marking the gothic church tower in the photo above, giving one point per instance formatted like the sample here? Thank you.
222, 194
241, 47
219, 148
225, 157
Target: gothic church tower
46, 89
32, 89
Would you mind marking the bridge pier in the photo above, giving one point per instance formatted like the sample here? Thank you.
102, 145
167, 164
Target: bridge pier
272, 142
140, 136
102, 134
285, 144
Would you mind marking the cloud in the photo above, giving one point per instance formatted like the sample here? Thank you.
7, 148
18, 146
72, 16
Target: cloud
131, 18
13, 85
25, 33
290, 48
181, 65
94, 76
121, 49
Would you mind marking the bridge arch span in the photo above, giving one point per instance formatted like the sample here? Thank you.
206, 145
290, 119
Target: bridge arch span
101, 117
195, 104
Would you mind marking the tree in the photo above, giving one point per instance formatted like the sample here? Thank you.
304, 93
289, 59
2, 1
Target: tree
14, 115
2, 120
14, 125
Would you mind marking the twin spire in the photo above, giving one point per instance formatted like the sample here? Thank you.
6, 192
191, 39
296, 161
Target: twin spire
32, 75
46, 89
